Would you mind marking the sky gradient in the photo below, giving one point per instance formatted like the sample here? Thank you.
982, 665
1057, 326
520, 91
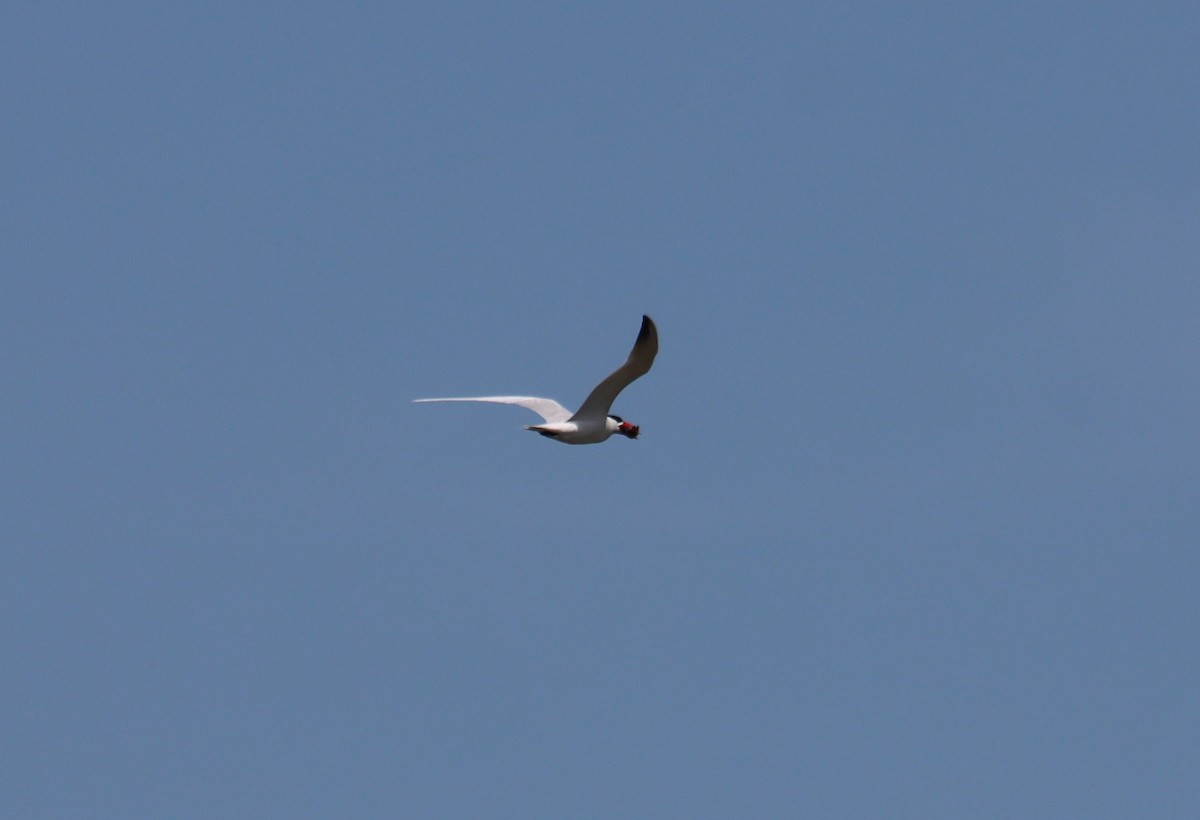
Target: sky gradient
912, 526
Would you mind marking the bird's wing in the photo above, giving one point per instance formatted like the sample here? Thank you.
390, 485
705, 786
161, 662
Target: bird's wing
548, 409
599, 401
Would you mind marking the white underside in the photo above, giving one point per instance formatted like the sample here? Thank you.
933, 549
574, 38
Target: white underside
574, 432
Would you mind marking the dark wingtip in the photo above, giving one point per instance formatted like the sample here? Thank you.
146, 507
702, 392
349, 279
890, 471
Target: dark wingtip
646, 346
647, 330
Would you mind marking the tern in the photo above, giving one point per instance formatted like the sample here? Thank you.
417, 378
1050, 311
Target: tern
592, 423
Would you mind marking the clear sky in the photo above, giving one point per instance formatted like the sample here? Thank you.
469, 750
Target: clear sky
912, 529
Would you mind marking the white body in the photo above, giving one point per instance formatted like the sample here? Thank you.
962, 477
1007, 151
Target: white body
578, 432
592, 424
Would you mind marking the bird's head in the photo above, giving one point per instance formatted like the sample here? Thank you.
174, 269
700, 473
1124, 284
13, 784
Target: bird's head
624, 428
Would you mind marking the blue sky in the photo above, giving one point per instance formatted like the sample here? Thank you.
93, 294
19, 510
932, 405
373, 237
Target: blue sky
912, 526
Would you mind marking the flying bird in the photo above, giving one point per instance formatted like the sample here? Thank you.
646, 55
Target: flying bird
592, 423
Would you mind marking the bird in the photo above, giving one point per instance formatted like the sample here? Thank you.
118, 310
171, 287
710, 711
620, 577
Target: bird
592, 423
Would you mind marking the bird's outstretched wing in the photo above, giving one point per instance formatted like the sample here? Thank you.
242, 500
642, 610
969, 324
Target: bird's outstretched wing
550, 410
599, 401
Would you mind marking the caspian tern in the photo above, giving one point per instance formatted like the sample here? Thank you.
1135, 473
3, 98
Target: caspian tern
593, 423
